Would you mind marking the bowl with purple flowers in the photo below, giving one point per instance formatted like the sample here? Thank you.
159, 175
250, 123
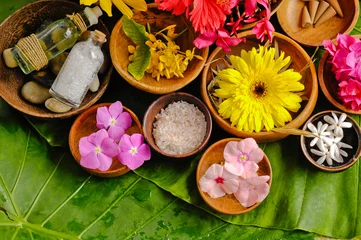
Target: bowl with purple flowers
107, 140
333, 143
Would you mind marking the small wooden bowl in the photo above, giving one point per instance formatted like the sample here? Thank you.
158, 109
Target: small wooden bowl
227, 204
22, 23
329, 83
289, 17
299, 60
163, 102
158, 20
274, 8
350, 136
84, 125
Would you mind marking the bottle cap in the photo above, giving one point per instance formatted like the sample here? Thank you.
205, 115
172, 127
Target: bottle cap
9, 58
99, 36
93, 14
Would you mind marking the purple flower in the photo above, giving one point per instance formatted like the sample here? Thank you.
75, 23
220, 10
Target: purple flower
252, 190
114, 120
133, 150
97, 150
242, 157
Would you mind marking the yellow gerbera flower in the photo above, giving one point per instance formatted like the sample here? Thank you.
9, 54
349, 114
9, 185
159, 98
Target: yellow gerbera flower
256, 93
106, 5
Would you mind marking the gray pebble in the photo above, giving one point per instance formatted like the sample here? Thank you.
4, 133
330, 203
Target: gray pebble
94, 86
45, 78
35, 93
55, 106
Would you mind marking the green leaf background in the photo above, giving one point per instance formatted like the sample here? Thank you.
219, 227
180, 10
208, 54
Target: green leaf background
48, 196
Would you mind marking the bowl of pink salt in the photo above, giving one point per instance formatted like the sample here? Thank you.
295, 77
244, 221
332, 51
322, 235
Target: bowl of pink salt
177, 125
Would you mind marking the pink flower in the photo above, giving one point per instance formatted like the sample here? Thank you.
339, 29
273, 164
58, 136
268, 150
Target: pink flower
114, 120
225, 41
252, 190
345, 41
251, 6
350, 94
330, 47
217, 181
242, 157
133, 150
97, 151
178, 6
263, 27
205, 39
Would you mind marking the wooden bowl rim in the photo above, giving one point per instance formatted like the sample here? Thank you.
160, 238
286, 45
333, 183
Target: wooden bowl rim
294, 36
76, 125
326, 168
149, 88
74, 111
198, 177
207, 115
321, 71
270, 135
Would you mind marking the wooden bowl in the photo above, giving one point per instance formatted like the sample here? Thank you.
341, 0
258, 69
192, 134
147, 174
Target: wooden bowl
21, 24
289, 17
274, 8
161, 103
158, 20
227, 204
84, 125
352, 136
329, 83
299, 60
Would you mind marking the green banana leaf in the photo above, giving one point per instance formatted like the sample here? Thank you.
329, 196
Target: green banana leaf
44, 194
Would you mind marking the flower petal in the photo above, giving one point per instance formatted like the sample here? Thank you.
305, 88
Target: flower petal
214, 171
123, 8
144, 151
115, 109
109, 148
231, 152
262, 191
106, 5
206, 184
216, 191
104, 162
116, 132
247, 145
256, 155
85, 147
230, 186
90, 161
235, 168
137, 139
124, 120
125, 144
250, 170
100, 136
103, 118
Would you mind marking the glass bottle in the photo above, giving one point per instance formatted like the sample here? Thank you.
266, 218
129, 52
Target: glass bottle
79, 70
54, 39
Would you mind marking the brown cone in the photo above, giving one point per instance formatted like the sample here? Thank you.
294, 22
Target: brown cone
312, 9
329, 13
321, 9
336, 6
306, 18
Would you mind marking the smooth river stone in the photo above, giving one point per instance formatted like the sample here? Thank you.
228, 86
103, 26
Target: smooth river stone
55, 106
45, 78
57, 63
35, 93
94, 86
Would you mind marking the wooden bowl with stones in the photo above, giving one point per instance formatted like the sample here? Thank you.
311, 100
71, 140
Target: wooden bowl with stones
290, 14
158, 20
227, 204
329, 84
352, 136
85, 124
300, 60
22, 23
177, 125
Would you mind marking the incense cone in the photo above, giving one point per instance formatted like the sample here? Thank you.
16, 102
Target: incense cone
321, 9
329, 13
336, 6
306, 18
312, 8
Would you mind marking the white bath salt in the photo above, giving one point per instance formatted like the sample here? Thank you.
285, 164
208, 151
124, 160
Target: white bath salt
179, 128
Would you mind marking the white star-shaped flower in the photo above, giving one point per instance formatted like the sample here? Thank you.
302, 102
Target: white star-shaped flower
319, 132
336, 124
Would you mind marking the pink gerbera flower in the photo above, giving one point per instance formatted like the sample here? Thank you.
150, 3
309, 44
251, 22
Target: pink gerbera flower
97, 151
252, 190
242, 157
217, 181
133, 150
114, 120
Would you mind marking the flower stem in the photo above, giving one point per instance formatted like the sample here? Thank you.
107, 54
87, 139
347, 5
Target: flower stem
357, 29
180, 34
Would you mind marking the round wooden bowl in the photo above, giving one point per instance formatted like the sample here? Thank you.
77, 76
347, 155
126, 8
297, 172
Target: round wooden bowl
274, 8
21, 24
161, 103
289, 17
84, 125
299, 60
352, 136
158, 20
329, 83
227, 204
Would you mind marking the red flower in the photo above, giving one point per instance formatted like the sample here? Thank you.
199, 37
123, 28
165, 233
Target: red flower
178, 6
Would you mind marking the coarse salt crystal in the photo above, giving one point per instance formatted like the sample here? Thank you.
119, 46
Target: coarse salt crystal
179, 128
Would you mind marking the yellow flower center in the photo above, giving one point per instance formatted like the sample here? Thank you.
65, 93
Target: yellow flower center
133, 150
251, 187
112, 121
97, 150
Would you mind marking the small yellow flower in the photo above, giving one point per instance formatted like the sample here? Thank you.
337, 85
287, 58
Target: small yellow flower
256, 93
106, 5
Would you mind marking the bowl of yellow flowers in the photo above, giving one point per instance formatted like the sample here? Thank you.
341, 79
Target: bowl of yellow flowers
260, 91
154, 51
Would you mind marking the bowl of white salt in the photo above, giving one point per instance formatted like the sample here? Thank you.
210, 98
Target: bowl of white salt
177, 125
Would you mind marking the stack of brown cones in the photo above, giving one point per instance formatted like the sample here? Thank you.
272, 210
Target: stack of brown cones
317, 12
